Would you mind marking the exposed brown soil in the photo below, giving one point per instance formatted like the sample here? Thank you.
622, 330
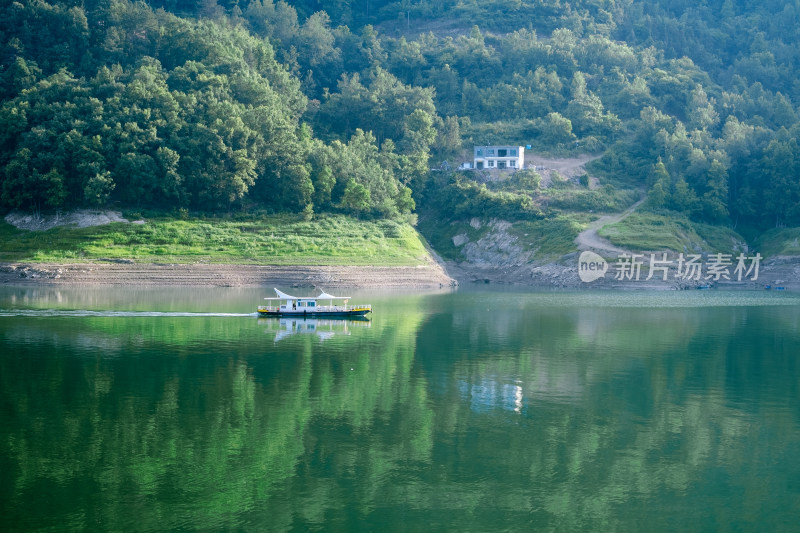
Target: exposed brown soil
207, 275
777, 271
81, 218
568, 167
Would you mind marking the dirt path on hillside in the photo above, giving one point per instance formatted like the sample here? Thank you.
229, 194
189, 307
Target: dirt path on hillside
589, 239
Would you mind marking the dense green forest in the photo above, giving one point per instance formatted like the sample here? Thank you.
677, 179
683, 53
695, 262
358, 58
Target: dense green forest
345, 106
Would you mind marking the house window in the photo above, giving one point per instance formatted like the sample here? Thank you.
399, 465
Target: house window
491, 151
513, 152
479, 152
513, 163
501, 164
502, 152
491, 163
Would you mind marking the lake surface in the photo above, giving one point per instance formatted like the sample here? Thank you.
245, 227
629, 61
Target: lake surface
178, 409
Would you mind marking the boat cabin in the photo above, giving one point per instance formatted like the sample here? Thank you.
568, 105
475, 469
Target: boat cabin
301, 303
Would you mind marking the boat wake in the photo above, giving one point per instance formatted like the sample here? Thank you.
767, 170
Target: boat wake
86, 313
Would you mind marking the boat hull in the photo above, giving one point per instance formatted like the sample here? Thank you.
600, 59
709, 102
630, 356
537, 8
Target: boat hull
315, 314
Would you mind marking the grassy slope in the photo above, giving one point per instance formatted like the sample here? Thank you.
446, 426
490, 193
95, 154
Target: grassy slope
652, 232
276, 240
780, 241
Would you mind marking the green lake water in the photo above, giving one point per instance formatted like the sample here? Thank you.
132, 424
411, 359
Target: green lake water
178, 409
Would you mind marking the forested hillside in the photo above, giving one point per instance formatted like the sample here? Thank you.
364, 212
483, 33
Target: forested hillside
345, 106
111, 101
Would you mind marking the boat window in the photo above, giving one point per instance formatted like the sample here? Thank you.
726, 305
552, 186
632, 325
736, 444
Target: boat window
312, 304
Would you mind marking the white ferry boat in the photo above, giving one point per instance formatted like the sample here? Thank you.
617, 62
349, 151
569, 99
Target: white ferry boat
323, 305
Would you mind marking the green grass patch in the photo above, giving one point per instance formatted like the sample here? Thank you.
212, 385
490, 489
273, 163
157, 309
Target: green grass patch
779, 241
269, 240
551, 237
652, 232
720, 238
603, 200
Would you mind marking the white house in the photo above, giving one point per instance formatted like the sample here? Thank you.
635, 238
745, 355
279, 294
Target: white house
499, 157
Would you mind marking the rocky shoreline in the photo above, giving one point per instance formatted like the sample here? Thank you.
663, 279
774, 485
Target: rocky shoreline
776, 272
214, 275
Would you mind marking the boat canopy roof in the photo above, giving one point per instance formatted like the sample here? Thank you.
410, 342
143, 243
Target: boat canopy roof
326, 296
323, 296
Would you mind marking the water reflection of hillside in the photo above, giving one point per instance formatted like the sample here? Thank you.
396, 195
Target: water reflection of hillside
437, 412
560, 354
601, 414
198, 416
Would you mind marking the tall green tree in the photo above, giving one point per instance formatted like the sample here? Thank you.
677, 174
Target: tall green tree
715, 199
